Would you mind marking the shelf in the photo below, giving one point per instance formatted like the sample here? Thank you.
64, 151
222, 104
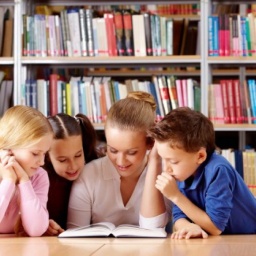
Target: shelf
235, 127
232, 60
193, 59
140, 73
112, 2
217, 127
6, 61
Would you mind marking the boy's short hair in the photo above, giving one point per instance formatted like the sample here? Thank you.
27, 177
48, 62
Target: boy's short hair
185, 128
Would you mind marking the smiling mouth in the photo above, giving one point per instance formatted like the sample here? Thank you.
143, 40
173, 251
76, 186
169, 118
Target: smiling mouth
72, 173
123, 168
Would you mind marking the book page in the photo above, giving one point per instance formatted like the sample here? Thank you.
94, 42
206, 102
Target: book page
97, 229
135, 231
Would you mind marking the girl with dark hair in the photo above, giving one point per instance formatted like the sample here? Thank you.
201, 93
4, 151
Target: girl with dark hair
74, 145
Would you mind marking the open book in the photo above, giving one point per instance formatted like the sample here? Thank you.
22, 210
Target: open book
104, 229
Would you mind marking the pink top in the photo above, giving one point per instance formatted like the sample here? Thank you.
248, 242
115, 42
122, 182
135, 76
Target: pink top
28, 199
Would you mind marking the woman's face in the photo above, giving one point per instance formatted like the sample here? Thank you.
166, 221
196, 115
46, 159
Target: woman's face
67, 157
127, 151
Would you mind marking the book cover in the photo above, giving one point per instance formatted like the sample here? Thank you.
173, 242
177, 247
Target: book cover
178, 27
163, 29
158, 95
221, 35
119, 30
111, 34
231, 100
226, 36
74, 30
83, 32
102, 37
237, 100
219, 113
224, 90
53, 83
7, 50
153, 92
90, 34
252, 96
172, 91
213, 35
252, 33
148, 34
169, 37
179, 88
128, 33
191, 38
164, 94
248, 116
105, 229
139, 37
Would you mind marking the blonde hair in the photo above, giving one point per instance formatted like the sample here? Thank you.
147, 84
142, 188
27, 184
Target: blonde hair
136, 112
22, 126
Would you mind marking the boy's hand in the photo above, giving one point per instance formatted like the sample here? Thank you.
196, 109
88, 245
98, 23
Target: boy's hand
167, 185
54, 229
190, 231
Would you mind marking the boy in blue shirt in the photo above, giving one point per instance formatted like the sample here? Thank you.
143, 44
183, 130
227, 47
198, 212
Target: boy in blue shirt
208, 194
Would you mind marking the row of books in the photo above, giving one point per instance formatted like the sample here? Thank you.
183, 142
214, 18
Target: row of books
6, 93
232, 35
6, 31
93, 96
160, 9
244, 161
232, 101
76, 32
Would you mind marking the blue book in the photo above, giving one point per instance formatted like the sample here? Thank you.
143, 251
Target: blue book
153, 92
239, 162
213, 38
252, 94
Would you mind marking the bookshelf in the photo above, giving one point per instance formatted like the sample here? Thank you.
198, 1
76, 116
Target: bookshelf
206, 69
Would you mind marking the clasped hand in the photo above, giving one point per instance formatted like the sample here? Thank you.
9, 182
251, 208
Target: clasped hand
10, 168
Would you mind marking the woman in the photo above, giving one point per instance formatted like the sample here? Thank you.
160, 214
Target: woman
110, 188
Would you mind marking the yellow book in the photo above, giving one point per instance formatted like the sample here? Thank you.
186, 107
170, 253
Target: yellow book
68, 99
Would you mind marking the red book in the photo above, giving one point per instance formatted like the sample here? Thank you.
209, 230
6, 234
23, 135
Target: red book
225, 101
231, 101
238, 105
111, 34
53, 80
128, 33
119, 27
221, 34
226, 35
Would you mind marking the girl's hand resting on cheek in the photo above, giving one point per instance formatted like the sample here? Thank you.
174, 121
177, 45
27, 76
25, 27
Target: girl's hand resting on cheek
6, 169
10, 168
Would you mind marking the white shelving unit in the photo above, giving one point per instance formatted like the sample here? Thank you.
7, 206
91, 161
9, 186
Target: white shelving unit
204, 62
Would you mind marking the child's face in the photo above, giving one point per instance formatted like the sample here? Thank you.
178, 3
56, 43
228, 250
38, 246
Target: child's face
67, 157
31, 158
179, 163
127, 151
